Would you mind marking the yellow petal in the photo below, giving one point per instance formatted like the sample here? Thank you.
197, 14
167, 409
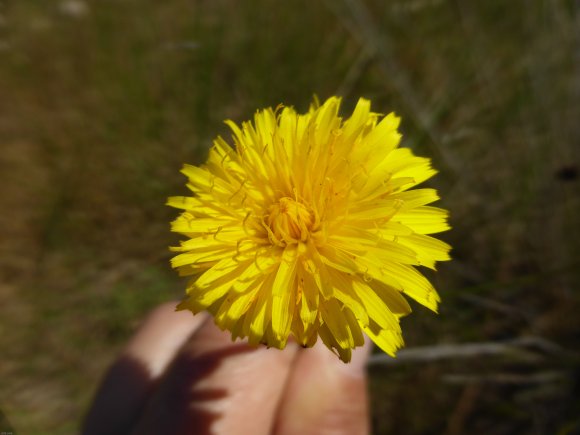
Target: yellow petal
283, 294
413, 284
337, 324
424, 219
428, 249
377, 310
387, 340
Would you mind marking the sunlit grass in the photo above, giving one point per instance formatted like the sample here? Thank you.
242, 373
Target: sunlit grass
100, 109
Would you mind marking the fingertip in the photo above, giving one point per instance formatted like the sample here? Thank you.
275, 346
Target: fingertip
326, 395
161, 335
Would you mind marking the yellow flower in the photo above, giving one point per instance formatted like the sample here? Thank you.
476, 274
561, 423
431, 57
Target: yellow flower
307, 228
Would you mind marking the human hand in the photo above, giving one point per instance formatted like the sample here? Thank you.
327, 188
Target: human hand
181, 375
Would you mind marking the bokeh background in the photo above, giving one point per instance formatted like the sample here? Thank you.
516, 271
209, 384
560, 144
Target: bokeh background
102, 101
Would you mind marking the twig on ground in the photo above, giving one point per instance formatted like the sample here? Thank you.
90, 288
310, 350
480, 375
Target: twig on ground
523, 349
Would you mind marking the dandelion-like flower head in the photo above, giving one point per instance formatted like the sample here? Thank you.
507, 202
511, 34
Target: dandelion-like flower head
308, 227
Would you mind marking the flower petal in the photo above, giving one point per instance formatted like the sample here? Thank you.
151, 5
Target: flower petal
283, 294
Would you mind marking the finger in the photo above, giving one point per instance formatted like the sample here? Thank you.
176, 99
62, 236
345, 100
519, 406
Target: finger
325, 395
220, 387
130, 380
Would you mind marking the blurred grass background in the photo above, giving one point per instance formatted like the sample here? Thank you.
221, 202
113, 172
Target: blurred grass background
102, 101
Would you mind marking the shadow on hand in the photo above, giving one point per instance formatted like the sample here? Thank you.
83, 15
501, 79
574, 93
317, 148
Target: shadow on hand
120, 398
130, 401
180, 404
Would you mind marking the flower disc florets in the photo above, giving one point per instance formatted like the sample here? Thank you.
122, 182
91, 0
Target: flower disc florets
289, 221
308, 228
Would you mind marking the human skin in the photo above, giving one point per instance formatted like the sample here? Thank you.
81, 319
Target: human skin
179, 374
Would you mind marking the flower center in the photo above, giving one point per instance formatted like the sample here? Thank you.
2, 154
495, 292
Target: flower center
290, 221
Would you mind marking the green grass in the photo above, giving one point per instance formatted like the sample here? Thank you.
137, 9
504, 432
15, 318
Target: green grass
99, 111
